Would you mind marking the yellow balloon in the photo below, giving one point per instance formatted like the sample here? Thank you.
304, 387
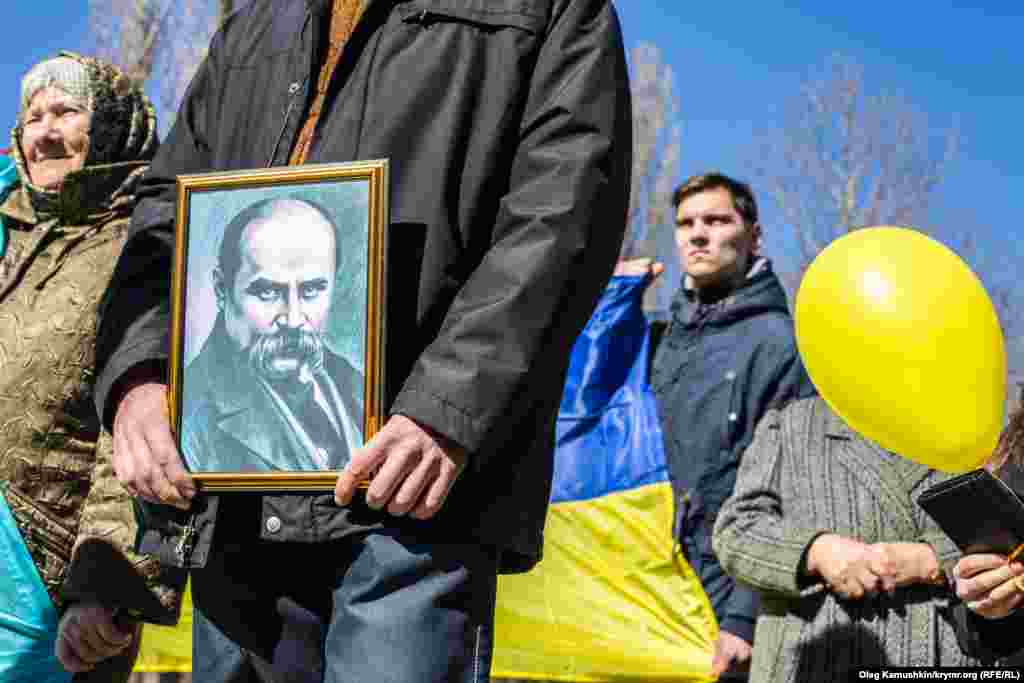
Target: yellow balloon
902, 342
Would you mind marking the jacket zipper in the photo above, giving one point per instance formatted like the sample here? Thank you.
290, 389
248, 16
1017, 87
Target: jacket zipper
293, 91
284, 124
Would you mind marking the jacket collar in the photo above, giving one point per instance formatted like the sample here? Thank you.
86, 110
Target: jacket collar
262, 422
220, 364
760, 293
760, 265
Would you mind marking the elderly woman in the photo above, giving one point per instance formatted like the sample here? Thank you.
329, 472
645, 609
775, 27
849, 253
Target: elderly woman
991, 585
851, 570
82, 140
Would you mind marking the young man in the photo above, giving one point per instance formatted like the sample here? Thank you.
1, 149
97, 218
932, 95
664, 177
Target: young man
507, 126
727, 355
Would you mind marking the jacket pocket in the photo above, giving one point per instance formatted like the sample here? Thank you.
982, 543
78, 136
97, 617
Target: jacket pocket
731, 424
490, 15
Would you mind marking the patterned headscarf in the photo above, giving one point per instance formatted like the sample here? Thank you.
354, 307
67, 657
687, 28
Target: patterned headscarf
123, 125
68, 74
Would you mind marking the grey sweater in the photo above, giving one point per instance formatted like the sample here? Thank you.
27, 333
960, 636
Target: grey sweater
807, 473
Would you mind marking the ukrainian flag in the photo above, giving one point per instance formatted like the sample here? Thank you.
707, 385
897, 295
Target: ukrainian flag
612, 600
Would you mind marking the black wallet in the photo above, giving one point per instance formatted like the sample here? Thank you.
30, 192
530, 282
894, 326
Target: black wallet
978, 511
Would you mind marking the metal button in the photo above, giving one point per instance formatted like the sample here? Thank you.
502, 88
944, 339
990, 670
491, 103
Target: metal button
273, 524
294, 88
730, 375
733, 417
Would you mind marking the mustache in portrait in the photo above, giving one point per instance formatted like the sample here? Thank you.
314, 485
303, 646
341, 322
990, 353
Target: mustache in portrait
291, 343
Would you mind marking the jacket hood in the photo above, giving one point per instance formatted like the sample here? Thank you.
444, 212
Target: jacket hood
760, 293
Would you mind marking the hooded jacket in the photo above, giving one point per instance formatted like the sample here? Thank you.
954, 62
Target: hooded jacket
718, 367
508, 132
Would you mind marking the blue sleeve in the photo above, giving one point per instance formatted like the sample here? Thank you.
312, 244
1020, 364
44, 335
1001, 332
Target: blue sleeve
741, 612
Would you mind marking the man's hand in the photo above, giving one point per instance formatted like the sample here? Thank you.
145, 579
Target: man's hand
87, 635
988, 584
845, 565
639, 266
415, 469
732, 654
145, 458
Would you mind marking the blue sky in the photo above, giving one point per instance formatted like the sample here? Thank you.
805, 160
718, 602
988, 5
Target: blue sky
737, 63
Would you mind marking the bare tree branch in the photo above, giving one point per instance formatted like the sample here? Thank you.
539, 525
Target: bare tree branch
159, 43
845, 156
656, 153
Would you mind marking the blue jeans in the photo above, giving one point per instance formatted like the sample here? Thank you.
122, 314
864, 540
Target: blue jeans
381, 606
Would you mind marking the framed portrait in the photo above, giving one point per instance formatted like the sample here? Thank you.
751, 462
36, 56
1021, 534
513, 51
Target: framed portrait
276, 370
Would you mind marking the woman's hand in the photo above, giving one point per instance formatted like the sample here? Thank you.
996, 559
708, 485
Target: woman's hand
903, 564
87, 634
989, 585
845, 564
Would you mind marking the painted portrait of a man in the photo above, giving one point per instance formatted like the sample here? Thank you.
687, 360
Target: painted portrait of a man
265, 390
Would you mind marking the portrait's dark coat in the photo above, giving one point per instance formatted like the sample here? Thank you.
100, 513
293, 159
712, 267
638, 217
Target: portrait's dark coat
234, 422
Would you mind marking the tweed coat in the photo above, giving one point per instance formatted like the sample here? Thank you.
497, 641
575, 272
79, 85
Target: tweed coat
807, 473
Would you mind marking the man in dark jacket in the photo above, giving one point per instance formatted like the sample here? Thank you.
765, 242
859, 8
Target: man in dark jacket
507, 126
727, 356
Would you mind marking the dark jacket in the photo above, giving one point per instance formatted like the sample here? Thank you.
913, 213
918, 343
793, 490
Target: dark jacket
718, 367
507, 126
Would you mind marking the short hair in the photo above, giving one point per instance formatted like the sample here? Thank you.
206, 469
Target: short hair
742, 196
229, 259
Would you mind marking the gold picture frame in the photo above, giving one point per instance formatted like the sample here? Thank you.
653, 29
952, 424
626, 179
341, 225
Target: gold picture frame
277, 359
